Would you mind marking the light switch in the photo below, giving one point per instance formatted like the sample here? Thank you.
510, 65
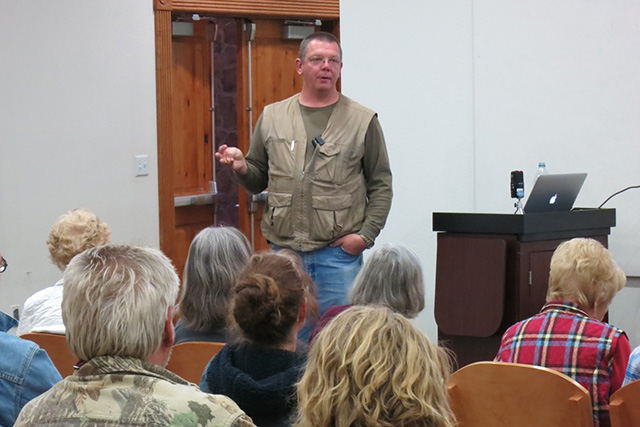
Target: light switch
141, 165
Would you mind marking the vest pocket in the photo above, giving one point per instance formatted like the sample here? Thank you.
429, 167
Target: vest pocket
330, 215
282, 160
280, 214
327, 164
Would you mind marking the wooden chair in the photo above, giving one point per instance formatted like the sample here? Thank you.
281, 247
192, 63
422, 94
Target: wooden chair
499, 394
623, 406
188, 359
56, 346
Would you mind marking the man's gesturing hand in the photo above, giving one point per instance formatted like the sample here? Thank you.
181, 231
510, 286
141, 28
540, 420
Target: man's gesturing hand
232, 156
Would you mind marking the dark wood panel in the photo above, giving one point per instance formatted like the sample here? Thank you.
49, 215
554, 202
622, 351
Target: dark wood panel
470, 285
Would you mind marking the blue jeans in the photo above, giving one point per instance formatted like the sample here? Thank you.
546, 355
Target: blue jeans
332, 270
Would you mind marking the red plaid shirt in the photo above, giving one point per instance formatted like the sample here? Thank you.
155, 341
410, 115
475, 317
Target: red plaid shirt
564, 338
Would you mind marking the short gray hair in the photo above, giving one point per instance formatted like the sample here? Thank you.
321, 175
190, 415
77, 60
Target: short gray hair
318, 35
391, 276
216, 257
116, 300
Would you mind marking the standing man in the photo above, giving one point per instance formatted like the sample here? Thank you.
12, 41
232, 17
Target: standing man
324, 160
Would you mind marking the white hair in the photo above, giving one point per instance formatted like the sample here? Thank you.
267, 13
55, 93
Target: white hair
116, 300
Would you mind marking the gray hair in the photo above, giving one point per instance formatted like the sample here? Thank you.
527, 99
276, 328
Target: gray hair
116, 300
318, 35
216, 257
391, 276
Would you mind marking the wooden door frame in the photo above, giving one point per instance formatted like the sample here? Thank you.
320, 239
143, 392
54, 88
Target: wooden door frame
163, 9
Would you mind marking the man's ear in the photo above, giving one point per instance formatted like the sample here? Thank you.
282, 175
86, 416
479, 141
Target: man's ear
168, 336
163, 353
298, 63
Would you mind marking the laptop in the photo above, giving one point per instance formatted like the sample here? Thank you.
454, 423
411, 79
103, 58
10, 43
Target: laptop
554, 193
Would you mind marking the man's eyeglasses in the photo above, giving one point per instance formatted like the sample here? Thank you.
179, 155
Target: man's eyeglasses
3, 265
319, 60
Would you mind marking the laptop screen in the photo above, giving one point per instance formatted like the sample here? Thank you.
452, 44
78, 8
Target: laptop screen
554, 193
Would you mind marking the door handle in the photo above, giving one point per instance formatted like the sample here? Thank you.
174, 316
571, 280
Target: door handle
253, 200
195, 199
198, 199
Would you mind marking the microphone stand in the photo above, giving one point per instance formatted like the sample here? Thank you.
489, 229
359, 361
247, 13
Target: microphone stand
518, 206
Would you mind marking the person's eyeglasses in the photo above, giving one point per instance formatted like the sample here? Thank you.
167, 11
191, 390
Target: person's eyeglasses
3, 265
319, 60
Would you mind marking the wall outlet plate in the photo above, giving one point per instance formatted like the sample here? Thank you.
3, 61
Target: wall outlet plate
141, 165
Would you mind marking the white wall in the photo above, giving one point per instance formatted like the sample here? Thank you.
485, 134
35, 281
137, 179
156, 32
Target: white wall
77, 102
468, 91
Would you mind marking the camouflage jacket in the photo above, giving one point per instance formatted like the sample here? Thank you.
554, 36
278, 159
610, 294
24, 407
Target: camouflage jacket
117, 391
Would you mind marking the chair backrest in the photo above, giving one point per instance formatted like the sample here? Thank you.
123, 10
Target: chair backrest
188, 359
56, 346
623, 406
511, 394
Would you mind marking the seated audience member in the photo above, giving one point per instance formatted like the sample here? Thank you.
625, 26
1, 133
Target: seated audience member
117, 308
391, 276
74, 232
568, 334
371, 367
259, 371
25, 369
633, 367
216, 257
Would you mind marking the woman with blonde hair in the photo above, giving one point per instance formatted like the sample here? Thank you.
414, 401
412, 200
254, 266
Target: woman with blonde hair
73, 233
371, 367
569, 334
260, 368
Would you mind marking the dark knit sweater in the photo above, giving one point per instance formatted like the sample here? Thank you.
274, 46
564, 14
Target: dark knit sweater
260, 380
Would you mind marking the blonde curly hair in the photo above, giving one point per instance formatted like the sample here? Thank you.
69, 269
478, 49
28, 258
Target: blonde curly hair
583, 272
371, 367
75, 231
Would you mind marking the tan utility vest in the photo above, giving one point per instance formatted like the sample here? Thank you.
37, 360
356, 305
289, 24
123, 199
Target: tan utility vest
311, 205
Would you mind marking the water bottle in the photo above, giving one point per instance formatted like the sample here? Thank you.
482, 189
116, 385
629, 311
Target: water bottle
542, 170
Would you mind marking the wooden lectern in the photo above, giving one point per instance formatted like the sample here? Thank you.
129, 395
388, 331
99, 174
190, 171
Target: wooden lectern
492, 270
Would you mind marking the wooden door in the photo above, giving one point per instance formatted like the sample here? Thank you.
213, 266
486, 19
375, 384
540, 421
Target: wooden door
191, 137
183, 115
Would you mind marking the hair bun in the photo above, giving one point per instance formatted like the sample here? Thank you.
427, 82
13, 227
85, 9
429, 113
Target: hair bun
257, 303
267, 299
